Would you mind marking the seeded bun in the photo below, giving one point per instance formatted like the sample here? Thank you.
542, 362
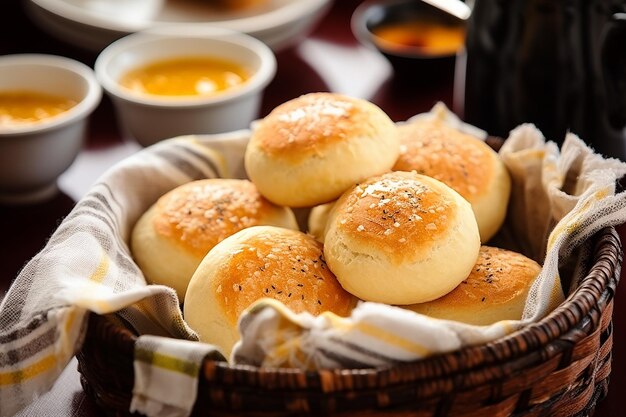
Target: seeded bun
170, 240
258, 262
495, 290
311, 149
318, 219
463, 162
401, 238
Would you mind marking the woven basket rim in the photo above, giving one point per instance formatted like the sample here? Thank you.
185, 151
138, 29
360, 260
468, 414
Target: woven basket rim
592, 293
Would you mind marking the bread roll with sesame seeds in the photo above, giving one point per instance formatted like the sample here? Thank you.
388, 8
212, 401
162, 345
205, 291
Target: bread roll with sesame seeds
170, 240
401, 238
463, 162
258, 262
311, 149
495, 290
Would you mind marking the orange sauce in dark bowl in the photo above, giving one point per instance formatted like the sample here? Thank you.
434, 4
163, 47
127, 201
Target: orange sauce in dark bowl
419, 36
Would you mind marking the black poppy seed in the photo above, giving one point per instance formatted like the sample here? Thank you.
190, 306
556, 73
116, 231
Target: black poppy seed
240, 288
302, 296
289, 295
267, 290
273, 287
482, 299
302, 270
279, 292
319, 302
300, 285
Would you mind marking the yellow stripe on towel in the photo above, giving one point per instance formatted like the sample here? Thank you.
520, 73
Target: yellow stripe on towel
167, 362
102, 268
18, 377
380, 334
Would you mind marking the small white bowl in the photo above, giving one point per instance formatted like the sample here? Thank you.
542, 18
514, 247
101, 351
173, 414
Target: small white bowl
32, 156
151, 118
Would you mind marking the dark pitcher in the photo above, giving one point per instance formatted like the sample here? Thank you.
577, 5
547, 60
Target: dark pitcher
560, 64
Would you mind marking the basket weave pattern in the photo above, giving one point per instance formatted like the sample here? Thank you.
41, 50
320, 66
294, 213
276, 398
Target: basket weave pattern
557, 367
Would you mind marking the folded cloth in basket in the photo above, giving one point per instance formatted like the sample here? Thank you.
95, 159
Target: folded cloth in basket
86, 266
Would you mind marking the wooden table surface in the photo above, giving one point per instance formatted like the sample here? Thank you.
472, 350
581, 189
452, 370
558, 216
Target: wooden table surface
329, 59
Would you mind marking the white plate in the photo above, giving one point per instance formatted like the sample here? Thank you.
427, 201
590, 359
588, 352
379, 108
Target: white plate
93, 24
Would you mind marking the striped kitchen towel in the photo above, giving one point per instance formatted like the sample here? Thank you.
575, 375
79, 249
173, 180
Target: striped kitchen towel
86, 266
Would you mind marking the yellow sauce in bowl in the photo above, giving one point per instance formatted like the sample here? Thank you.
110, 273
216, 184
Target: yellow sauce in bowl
420, 35
189, 76
18, 108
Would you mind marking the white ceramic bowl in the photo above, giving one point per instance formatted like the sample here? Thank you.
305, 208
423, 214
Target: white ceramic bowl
32, 156
150, 118
94, 24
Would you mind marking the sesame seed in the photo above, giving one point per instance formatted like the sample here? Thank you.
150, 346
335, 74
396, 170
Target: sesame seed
402, 240
388, 232
431, 226
396, 224
360, 228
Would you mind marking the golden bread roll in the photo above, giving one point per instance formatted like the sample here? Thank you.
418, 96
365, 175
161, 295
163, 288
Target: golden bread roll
318, 219
401, 238
463, 162
495, 290
311, 149
258, 262
172, 237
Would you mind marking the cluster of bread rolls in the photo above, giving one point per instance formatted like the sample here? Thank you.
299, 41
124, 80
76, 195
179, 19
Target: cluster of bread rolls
398, 214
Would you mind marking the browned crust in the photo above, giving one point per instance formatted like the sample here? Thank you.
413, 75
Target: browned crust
288, 267
200, 214
399, 213
310, 123
498, 277
461, 161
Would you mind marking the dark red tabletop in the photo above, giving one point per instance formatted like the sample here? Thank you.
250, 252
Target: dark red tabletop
329, 59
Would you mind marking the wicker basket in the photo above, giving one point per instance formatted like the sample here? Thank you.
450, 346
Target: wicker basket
557, 367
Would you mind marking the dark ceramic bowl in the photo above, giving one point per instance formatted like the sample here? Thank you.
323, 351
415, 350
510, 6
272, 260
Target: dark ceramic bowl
411, 34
